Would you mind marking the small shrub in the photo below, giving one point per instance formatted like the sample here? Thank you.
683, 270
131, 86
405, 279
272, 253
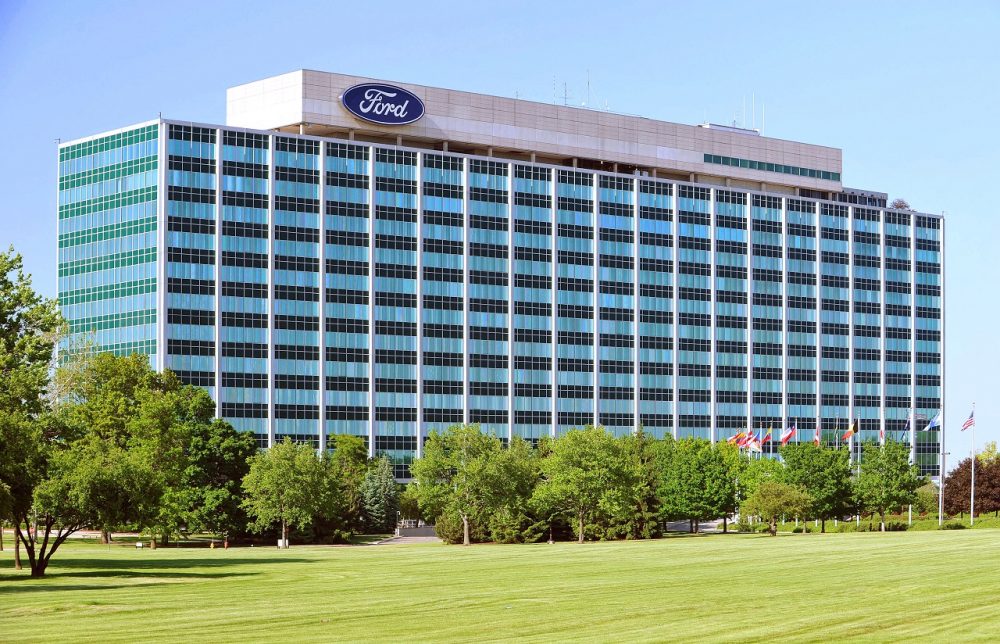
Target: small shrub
953, 525
741, 526
896, 526
448, 528
507, 526
800, 529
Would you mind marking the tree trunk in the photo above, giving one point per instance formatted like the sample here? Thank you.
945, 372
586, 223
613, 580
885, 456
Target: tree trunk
690, 526
580, 524
17, 551
774, 526
822, 526
284, 533
164, 540
105, 537
1, 536
38, 567
725, 525
466, 537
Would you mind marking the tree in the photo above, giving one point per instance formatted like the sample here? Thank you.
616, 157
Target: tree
900, 204
28, 325
773, 499
219, 459
380, 497
349, 465
466, 477
696, 484
825, 475
887, 480
631, 505
957, 489
576, 475
288, 486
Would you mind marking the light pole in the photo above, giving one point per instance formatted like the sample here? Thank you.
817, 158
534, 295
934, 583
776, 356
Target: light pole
941, 490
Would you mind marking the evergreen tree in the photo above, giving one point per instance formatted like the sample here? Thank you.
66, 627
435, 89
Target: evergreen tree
380, 497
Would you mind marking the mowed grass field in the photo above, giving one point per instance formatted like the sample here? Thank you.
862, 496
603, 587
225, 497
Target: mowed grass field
812, 587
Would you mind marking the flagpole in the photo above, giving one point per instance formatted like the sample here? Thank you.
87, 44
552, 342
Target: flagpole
972, 493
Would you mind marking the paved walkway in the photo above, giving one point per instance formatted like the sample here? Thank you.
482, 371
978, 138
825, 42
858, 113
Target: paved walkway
392, 541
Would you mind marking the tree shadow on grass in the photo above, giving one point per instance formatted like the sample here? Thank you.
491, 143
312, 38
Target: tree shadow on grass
163, 569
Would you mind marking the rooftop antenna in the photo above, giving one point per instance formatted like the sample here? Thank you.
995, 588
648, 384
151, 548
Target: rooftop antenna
565, 94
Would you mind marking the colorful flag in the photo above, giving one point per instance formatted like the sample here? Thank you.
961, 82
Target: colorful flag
754, 443
735, 438
767, 437
743, 440
970, 421
935, 422
788, 435
816, 437
851, 431
881, 434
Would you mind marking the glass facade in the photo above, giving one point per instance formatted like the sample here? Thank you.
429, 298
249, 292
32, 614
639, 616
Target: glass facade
317, 287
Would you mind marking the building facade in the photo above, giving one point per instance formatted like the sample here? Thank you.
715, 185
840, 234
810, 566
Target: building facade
527, 267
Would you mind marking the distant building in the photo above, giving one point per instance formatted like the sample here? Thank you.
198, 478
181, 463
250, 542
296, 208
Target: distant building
525, 266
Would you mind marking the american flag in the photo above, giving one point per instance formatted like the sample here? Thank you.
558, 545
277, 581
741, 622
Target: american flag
970, 421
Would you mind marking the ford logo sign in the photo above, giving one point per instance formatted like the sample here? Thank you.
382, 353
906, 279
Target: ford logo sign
383, 104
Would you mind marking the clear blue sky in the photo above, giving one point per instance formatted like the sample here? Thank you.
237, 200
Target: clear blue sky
909, 90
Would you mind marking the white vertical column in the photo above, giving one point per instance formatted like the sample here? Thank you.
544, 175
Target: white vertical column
161, 245
322, 296
941, 343
850, 326
913, 337
784, 317
271, 140
465, 290
818, 292
882, 340
596, 186
636, 389
676, 188
218, 273
420, 304
371, 300
555, 305
510, 303
713, 319
749, 281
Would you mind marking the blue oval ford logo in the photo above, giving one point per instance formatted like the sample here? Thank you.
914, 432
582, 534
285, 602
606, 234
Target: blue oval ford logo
384, 104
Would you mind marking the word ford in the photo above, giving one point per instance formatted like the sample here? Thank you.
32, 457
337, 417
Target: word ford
383, 104
373, 103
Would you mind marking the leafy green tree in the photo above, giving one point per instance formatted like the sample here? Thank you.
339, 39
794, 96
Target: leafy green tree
773, 499
887, 481
219, 459
380, 496
28, 327
697, 483
576, 476
467, 474
287, 485
825, 475
349, 464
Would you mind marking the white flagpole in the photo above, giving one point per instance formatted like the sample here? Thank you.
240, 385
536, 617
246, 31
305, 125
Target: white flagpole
972, 493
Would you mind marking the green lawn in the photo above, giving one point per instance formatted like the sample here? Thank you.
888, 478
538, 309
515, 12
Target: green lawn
928, 585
